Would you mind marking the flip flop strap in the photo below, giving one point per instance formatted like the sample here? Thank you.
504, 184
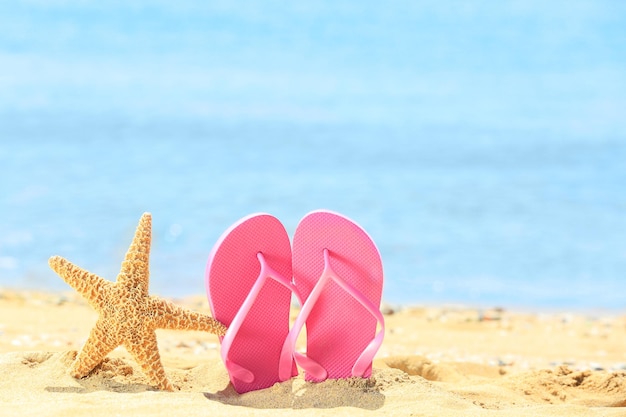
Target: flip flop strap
366, 357
285, 365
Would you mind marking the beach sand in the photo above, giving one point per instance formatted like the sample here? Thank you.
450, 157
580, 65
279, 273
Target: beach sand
435, 361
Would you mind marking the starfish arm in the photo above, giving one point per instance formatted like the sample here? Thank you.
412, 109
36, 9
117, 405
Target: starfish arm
92, 287
135, 267
145, 351
99, 343
168, 315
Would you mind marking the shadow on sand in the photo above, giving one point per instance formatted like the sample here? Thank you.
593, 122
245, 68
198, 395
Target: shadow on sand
297, 394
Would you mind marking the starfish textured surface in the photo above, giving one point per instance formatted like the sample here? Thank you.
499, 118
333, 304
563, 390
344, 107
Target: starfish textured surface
128, 315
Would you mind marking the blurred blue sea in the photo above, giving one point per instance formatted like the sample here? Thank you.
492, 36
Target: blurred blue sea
481, 144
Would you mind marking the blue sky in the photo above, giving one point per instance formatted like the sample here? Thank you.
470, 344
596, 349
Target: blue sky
556, 65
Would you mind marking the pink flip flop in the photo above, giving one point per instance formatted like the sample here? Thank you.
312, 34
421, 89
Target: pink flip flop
338, 272
255, 308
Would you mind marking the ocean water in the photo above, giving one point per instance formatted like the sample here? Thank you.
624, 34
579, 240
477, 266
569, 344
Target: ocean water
482, 147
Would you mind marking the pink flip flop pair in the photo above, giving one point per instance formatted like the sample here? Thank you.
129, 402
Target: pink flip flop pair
334, 269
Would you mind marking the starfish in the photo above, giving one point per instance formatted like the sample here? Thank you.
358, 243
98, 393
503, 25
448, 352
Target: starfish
128, 315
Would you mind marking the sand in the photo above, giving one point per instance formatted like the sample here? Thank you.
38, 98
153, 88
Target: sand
435, 361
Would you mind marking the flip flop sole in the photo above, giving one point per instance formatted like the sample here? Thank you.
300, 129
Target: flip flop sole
339, 328
232, 270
